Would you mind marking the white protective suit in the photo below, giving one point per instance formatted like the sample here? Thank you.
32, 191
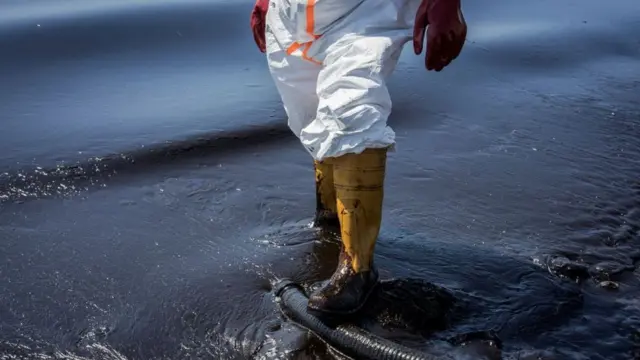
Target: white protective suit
330, 60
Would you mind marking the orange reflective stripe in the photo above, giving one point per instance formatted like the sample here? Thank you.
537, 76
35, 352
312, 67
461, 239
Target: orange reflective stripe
311, 24
307, 46
295, 46
311, 18
305, 51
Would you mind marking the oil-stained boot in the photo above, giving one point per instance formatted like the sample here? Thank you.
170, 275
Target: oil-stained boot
326, 213
359, 184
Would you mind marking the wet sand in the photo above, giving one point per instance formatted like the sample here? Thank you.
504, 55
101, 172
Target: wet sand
150, 190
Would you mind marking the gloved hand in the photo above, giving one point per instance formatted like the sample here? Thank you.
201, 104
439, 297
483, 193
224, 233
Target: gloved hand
446, 33
258, 23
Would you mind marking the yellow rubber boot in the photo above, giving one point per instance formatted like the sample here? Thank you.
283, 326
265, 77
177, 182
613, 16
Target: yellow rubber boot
326, 207
359, 184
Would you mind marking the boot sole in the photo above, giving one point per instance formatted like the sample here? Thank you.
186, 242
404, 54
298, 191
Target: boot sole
315, 311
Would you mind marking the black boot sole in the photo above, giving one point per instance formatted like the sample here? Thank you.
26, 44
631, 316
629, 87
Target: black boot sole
320, 312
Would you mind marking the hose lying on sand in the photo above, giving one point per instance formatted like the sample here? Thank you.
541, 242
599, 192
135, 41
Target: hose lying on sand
350, 341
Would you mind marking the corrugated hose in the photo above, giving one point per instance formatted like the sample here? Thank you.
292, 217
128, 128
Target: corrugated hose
349, 340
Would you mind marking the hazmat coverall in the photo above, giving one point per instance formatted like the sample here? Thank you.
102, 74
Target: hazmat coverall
330, 60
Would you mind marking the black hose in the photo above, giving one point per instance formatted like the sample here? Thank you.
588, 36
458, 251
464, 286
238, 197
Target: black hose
351, 341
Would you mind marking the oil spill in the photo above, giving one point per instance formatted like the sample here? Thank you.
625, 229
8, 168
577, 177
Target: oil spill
151, 193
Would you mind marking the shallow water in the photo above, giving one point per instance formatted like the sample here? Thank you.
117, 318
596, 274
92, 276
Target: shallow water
150, 190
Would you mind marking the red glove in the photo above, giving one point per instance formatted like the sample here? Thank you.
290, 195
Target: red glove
258, 23
446, 33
